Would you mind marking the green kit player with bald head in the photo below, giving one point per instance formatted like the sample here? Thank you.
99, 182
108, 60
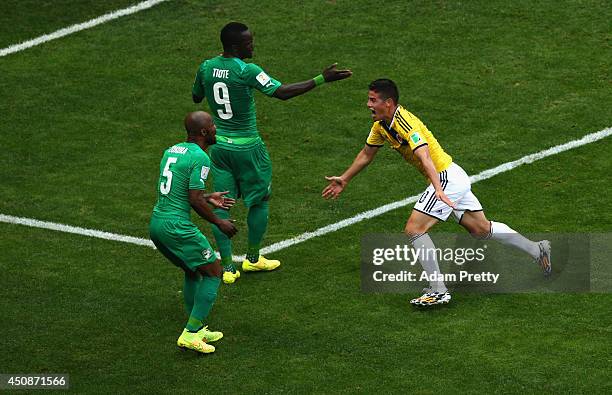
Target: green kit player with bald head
183, 172
240, 160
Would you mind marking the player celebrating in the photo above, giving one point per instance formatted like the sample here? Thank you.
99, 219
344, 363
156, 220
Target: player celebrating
183, 172
240, 160
449, 191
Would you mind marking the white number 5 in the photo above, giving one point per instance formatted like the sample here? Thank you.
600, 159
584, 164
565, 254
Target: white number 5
164, 187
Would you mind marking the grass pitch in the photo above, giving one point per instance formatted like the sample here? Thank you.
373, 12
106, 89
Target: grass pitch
86, 117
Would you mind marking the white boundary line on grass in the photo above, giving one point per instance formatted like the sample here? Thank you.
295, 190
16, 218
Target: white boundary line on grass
80, 26
75, 229
589, 138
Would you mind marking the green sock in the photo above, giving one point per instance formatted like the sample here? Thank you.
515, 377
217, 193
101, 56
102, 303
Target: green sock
203, 302
190, 286
194, 325
253, 253
228, 264
257, 222
223, 242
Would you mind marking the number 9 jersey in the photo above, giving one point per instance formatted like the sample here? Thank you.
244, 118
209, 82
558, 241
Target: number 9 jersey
227, 84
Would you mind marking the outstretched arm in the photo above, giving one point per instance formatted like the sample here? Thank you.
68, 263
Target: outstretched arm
337, 184
198, 200
422, 153
330, 74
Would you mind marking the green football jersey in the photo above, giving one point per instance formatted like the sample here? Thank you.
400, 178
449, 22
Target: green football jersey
227, 84
184, 166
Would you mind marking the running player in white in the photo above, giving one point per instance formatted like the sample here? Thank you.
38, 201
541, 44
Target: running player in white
449, 191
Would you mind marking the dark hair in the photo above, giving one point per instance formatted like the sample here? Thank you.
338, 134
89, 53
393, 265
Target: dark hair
385, 88
231, 34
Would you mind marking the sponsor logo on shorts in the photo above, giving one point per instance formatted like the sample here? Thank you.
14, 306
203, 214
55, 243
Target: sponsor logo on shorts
207, 253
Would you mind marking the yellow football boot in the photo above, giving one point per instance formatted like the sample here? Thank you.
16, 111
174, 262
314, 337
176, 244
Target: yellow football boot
206, 335
209, 336
193, 341
262, 264
230, 277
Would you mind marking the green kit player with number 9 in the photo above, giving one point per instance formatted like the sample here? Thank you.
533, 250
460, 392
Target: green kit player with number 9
240, 160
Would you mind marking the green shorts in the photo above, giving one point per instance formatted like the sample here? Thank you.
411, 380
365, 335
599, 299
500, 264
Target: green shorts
181, 242
246, 174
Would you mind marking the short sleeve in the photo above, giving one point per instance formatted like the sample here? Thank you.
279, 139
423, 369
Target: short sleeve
255, 77
375, 138
416, 139
199, 172
198, 84
410, 133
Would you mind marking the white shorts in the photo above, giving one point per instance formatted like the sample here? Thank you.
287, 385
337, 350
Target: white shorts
457, 186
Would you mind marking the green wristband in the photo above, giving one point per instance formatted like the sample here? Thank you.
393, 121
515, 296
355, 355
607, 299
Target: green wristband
319, 80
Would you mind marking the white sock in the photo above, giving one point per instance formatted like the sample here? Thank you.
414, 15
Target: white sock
429, 262
508, 236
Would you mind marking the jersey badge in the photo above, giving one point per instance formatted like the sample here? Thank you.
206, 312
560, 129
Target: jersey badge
262, 78
204, 172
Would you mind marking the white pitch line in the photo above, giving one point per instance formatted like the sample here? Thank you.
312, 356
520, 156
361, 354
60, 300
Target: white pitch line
74, 229
589, 138
80, 26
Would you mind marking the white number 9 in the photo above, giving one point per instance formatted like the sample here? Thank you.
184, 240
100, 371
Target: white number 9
222, 98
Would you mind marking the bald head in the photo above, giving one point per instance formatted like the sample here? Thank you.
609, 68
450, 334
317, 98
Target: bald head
196, 121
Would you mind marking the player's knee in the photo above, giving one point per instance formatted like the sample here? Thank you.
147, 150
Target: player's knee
211, 270
413, 229
479, 229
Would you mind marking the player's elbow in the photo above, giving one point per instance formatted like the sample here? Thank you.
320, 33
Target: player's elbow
365, 159
194, 196
282, 94
197, 204
367, 155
